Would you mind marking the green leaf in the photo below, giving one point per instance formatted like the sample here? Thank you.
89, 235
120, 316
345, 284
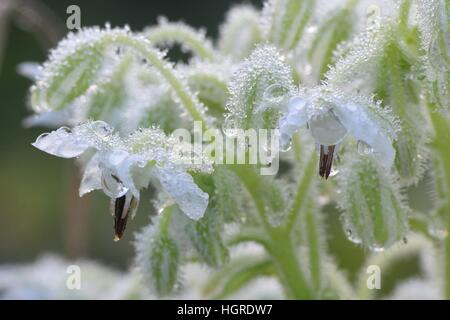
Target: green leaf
227, 198
85, 57
158, 256
67, 75
257, 90
373, 210
205, 236
433, 21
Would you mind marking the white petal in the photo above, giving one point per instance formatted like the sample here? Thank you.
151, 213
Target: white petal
364, 127
92, 177
62, 143
295, 117
30, 70
181, 187
120, 164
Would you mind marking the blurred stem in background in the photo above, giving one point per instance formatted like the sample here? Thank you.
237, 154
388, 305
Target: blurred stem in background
76, 217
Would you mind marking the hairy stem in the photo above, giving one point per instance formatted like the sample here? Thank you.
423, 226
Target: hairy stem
441, 145
189, 38
281, 245
302, 191
181, 90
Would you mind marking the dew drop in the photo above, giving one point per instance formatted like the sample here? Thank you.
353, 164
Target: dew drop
352, 237
112, 186
230, 126
285, 143
326, 129
101, 128
275, 93
363, 148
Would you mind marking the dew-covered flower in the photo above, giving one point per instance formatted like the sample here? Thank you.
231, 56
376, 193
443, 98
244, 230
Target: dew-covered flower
331, 116
121, 167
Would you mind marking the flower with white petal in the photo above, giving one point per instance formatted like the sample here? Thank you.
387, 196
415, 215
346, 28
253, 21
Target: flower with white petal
331, 116
121, 167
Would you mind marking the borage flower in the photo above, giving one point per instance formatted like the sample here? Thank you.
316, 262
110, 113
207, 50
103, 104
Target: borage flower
122, 166
331, 115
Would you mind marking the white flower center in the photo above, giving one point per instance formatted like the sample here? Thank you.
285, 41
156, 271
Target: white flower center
326, 129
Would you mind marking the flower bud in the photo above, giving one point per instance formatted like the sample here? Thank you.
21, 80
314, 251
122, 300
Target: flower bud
373, 212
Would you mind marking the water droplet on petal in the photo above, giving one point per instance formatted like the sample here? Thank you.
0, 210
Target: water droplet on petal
363, 148
326, 129
61, 143
231, 126
112, 186
101, 128
275, 93
285, 143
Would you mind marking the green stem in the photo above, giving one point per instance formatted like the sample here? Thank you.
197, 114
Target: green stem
441, 145
314, 244
248, 235
302, 192
166, 218
181, 90
281, 246
285, 258
183, 35
404, 10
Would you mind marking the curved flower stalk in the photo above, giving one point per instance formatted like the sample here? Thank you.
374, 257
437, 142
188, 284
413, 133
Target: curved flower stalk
209, 81
315, 53
240, 32
121, 167
330, 116
169, 33
258, 87
84, 59
284, 21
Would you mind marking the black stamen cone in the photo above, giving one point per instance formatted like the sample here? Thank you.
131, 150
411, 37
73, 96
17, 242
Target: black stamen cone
326, 161
120, 220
